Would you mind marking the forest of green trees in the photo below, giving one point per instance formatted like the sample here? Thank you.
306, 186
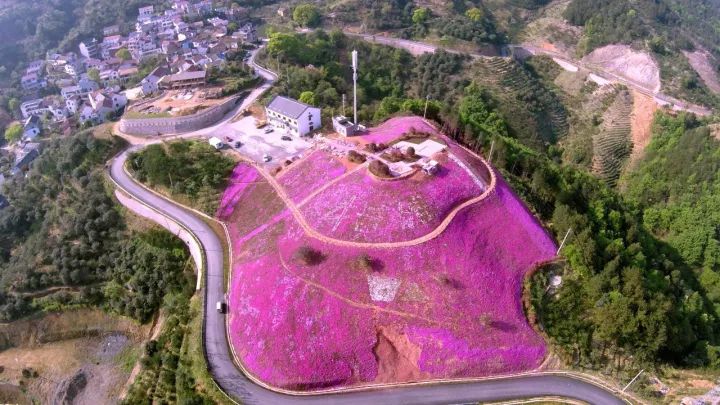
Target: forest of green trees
63, 228
190, 170
391, 80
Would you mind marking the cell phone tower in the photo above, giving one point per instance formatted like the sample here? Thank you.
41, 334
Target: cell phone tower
355, 76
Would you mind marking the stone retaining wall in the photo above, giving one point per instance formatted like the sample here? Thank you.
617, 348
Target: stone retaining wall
176, 125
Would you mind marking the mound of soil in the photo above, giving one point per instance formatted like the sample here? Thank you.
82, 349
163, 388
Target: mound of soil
626, 62
70, 388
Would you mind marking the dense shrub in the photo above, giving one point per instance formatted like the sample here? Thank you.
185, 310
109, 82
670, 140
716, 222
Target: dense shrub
356, 157
308, 256
380, 169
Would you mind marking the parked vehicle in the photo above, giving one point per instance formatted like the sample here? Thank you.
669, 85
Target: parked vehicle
267, 158
286, 138
228, 139
238, 144
221, 307
269, 129
216, 143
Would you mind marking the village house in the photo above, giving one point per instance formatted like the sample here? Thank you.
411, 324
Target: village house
112, 41
111, 30
24, 156
31, 128
292, 116
58, 109
32, 81
149, 83
145, 12
35, 66
84, 86
74, 68
247, 34
126, 72
34, 107
108, 75
92, 63
73, 104
89, 49
202, 7
101, 103
217, 22
183, 80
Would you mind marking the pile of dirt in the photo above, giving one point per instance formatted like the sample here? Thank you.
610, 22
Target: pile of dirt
700, 60
623, 61
68, 389
397, 357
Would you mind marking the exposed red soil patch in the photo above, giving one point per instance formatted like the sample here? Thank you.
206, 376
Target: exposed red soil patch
397, 357
643, 112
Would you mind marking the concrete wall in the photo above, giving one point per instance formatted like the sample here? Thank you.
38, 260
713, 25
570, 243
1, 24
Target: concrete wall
175, 125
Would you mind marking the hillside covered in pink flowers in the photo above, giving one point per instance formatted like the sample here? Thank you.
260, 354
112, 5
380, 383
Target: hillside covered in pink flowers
346, 315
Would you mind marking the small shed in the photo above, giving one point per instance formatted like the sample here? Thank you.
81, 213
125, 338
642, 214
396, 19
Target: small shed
430, 167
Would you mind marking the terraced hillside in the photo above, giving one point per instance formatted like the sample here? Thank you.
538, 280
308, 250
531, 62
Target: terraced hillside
612, 144
533, 111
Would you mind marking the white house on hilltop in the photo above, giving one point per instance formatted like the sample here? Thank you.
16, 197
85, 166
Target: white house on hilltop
292, 116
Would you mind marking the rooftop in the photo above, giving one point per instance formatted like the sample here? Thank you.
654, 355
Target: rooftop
287, 107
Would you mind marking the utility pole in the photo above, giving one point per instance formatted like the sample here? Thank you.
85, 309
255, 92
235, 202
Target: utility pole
492, 146
343, 105
355, 76
427, 100
633, 380
563, 241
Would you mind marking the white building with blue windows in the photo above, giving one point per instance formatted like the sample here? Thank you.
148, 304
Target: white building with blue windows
292, 116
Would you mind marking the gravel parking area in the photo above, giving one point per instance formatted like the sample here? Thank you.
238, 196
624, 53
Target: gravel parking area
256, 143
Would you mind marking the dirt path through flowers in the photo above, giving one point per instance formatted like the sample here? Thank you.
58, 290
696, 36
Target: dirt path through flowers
310, 231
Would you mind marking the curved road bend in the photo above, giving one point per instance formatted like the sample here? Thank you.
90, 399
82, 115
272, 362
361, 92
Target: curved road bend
238, 386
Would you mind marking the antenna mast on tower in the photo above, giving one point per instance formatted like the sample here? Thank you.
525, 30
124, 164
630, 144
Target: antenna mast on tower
355, 76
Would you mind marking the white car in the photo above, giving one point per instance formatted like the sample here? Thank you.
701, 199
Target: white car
267, 158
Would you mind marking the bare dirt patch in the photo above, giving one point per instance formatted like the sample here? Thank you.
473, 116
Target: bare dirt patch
58, 365
397, 357
701, 62
621, 60
641, 119
64, 349
177, 103
550, 31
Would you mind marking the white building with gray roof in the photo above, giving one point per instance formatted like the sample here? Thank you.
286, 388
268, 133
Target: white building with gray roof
292, 116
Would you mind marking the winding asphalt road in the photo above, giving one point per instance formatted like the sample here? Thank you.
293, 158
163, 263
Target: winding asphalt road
238, 386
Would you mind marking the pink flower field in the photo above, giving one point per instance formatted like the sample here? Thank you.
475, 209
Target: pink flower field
361, 209
395, 127
446, 308
311, 173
